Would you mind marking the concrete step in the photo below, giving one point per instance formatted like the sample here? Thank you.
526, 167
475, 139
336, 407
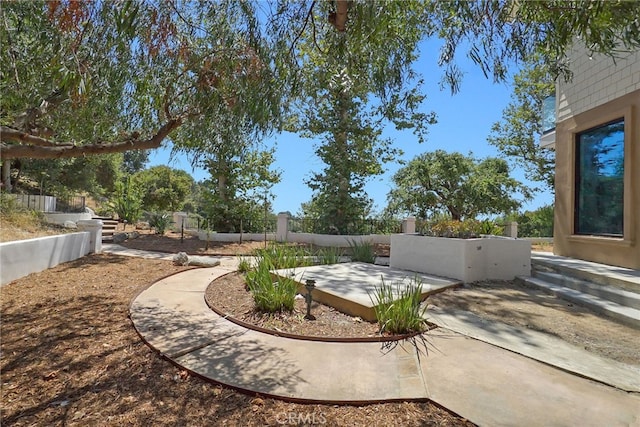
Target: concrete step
627, 315
619, 277
609, 293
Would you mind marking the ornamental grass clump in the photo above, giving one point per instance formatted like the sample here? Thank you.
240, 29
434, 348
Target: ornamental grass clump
398, 308
327, 256
362, 252
271, 294
283, 256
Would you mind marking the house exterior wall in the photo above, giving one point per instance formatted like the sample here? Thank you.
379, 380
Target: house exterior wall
601, 91
596, 81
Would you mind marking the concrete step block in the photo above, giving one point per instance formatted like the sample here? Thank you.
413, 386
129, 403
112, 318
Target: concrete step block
610, 293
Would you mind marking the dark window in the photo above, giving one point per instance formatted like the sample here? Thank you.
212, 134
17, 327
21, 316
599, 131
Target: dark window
600, 180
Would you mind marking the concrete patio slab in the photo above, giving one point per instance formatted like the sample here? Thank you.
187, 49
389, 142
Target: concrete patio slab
348, 286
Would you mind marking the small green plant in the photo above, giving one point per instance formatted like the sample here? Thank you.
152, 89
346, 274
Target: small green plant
331, 255
362, 252
397, 307
271, 295
160, 222
244, 266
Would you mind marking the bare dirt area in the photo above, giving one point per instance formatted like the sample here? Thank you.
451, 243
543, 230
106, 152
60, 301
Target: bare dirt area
11, 231
521, 306
229, 295
70, 356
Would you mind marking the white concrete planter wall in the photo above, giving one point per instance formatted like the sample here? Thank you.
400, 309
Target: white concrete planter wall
23, 257
469, 260
61, 218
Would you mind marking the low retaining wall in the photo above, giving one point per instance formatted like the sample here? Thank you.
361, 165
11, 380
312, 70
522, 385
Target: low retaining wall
23, 257
310, 238
233, 237
61, 218
338, 241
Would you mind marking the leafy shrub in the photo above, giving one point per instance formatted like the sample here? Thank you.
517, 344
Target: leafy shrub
127, 201
160, 222
466, 229
271, 295
399, 311
538, 223
362, 252
326, 256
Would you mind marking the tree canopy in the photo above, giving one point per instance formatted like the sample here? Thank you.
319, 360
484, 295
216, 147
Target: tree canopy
82, 78
516, 135
163, 188
454, 184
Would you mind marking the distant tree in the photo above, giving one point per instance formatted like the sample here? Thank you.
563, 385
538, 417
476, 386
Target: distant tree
537, 223
134, 161
164, 188
239, 187
461, 186
517, 134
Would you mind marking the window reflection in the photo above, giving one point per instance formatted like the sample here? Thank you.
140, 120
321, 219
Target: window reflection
600, 179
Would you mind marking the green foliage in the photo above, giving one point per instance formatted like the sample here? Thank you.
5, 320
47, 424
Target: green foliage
461, 186
281, 256
165, 189
239, 187
538, 223
160, 222
516, 135
95, 175
126, 201
397, 307
335, 107
244, 266
362, 252
330, 255
466, 229
271, 294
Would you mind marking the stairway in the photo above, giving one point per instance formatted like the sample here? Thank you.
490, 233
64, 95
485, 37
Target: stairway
611, 291
108, 228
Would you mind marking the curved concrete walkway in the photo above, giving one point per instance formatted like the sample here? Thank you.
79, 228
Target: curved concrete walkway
482, 382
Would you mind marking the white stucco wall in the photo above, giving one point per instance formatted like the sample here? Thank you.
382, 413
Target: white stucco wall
468, 260
596, 80
23, 257
61, 218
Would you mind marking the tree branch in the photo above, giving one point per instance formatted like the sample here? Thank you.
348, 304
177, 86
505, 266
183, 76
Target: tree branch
38, 148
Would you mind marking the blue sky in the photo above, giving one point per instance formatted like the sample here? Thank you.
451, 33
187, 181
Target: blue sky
464, 123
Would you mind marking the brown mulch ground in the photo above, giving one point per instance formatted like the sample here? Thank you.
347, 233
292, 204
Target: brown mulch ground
229, 295
70, 356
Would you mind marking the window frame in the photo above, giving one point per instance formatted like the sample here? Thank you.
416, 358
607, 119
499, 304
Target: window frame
577, 178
